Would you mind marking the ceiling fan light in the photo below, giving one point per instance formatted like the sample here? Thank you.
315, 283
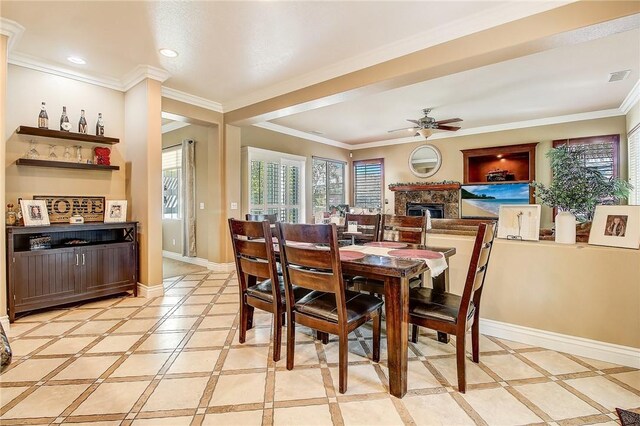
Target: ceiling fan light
425, 133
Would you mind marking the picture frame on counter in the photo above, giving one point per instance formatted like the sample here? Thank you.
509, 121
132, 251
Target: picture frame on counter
616, 226
34, 213
519, 222
115, 211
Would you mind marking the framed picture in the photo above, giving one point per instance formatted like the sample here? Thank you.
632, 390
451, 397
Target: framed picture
484, 201
616, 226
115, 211
62, 207
519, 222
34, 212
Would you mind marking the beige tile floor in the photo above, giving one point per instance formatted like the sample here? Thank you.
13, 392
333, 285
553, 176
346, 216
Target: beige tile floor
175, 360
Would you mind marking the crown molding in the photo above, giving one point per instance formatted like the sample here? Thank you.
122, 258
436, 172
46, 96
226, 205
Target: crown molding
27, 61
632, 98
461, 27
174, 125
12, 30
143, 72
593, 115
300, 134
188, 98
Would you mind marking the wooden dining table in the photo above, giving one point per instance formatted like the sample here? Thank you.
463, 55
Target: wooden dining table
396, 273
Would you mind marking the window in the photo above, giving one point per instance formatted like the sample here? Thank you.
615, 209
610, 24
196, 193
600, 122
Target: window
634, 165
276, 184
328, 184
171, 177
601, 152
368, 183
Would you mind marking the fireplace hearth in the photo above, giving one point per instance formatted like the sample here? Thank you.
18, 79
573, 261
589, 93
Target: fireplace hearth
443, 201
436, 210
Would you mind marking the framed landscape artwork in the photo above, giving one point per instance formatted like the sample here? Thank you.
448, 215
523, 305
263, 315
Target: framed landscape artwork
519, 222
484, 201
616, 226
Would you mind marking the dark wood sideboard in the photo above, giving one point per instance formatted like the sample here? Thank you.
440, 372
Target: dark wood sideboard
106, 263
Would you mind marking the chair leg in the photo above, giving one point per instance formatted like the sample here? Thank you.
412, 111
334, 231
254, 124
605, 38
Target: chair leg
343, 359
277, 336
460, 358
322, 336
249, 317
415, 331
377, 324
244, 320
291, 341
475, 341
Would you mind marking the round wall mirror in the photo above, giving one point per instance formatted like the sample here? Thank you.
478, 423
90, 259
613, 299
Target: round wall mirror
425, 161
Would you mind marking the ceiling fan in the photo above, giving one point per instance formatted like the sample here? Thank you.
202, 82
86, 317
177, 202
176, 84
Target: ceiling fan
426, 125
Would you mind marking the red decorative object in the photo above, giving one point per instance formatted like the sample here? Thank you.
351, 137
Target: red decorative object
422, 254
102, 155
350, 255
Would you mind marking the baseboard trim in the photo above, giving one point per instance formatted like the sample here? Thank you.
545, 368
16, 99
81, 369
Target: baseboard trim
603, 351
150, 291
212, 266
5, 322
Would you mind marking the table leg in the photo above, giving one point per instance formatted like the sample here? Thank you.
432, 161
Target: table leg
396, 291
441, 284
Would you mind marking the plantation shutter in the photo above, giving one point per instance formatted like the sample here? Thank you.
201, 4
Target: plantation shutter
601, 152
368, 183
634, 166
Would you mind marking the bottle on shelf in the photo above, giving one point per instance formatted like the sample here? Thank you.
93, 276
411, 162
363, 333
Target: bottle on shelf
82, 124
65, 126
11, 215
43, 118
100, 125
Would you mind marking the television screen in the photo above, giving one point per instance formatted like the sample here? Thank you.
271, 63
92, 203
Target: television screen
484, 201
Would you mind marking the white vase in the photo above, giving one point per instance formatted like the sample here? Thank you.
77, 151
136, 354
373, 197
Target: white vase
565, 228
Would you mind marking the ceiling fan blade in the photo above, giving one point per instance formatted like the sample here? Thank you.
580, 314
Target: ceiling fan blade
416, 122
449, 128
451, 120
402, 128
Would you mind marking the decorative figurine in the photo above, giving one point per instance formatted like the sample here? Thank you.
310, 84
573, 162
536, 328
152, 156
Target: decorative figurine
100, 125
65, 126
11, 215
43, 118
82, 124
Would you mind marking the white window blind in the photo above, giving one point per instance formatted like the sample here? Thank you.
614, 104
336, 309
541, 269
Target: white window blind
275, 184
368, 181
634, 166
600, 152
171, 176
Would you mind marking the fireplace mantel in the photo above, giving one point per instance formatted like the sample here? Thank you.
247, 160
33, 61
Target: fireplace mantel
425, 187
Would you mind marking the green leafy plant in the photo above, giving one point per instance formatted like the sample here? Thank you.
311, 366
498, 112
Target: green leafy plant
576, 187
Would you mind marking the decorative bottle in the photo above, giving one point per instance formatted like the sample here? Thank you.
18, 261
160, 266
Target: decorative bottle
43, 118
11, 215
82, 124
100, 125
65, 126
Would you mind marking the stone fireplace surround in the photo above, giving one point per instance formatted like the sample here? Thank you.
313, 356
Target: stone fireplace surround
446, 194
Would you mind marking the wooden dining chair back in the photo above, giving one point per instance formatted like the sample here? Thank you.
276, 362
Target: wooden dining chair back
404, 229
256, 268
454, 314
271, 218
311, 260
368, 224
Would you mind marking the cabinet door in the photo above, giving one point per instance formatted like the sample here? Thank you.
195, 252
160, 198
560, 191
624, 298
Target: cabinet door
42, 277
106, 267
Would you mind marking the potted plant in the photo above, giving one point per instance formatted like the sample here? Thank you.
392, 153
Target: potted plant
575, 190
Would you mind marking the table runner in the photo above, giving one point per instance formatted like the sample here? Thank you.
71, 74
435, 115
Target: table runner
436, 266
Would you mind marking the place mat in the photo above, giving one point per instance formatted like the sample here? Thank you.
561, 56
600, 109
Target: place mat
386, 244
351, 255
415, 254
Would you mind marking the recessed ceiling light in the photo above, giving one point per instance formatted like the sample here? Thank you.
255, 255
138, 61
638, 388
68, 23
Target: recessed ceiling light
169, 53
76, 60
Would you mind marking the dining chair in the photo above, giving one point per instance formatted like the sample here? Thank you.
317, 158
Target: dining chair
256, 268
452, 314
368, 224
403, 229
328, 308
271, 218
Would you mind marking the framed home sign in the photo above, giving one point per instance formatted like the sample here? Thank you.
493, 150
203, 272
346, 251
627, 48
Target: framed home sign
62, 207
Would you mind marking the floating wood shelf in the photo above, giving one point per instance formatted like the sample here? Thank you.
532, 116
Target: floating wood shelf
47, 133
63, 164
425, 187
